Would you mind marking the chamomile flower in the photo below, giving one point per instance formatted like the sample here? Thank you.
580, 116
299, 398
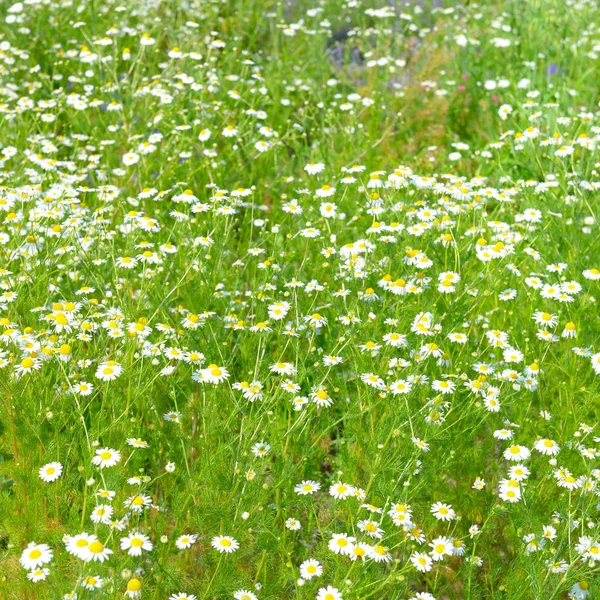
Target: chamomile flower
109, 370
135, 543
38, 575
307, 487
440, 547
311, 568
329, 593
341, 543
224, 544
443, 512
106, 457
51, 472
185, 541
547, 447
97, 552
35, 555
422, 562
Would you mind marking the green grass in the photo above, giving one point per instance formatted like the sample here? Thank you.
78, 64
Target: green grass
448, 221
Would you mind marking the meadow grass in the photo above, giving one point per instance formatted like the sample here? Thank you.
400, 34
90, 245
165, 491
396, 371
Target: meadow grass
298, 300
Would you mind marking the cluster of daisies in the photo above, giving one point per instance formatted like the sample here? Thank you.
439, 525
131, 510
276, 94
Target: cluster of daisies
245, 354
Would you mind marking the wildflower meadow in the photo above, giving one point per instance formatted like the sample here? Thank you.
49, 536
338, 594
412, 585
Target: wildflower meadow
299, 300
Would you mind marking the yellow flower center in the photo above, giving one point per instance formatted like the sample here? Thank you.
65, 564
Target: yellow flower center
96, 547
